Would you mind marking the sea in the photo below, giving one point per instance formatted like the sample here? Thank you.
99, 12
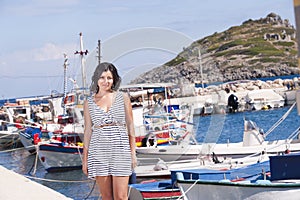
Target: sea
215, 128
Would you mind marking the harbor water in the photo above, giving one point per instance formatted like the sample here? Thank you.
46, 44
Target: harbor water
215, 128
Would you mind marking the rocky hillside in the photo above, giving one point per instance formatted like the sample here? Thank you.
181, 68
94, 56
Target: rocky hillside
257, 48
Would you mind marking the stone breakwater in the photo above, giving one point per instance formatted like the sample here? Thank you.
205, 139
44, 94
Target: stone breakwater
279, 90
244, 86
241, 86
286, 84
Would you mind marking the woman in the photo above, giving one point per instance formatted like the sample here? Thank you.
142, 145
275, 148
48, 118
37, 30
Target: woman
109, 137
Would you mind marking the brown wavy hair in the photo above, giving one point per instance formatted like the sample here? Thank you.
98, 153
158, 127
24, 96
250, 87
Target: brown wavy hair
104, 67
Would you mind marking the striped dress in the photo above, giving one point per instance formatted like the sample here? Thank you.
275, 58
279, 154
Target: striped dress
109, 150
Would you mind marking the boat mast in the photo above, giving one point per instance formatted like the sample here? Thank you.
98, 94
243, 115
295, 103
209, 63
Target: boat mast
297, 19
82, 53
65, 82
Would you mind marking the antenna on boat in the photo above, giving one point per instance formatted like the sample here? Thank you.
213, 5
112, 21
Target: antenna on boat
65, 81
82, 53
99, 52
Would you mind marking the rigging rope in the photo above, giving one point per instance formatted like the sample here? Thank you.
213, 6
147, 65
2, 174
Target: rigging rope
280, 120
287, 142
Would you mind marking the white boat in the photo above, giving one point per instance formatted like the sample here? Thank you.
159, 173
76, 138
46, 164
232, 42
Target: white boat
263, 99
157, 168
9, 136
274, 179
49, 117
62, 148
253, 143
62, 152
12, 119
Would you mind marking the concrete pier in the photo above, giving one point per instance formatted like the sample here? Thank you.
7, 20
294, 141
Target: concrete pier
15, 187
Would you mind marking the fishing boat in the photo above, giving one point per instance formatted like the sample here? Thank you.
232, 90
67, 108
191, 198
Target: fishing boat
277, 178
162, 130
12, 120
153, 190
62, 148
70, 120
61, 152
155, 117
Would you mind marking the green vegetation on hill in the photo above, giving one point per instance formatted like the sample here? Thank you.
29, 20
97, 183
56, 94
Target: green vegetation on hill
257, 48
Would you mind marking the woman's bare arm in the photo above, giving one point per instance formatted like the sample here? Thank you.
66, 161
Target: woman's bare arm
130, 128
87, 135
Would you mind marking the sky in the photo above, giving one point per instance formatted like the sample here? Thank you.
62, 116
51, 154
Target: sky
135, 35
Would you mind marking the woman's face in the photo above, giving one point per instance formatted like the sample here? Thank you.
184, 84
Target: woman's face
105, 81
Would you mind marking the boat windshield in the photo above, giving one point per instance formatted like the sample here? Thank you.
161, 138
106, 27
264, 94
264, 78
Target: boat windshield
250, 125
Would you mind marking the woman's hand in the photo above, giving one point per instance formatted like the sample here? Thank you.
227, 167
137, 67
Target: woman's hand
84, 167
133, 161
84, 161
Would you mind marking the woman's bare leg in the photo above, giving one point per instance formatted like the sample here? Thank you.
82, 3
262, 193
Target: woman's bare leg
120, 187
105, 187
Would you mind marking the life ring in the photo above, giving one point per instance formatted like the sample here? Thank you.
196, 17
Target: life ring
69, 99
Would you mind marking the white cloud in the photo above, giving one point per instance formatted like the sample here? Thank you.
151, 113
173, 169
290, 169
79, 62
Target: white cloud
47, 52
51, 51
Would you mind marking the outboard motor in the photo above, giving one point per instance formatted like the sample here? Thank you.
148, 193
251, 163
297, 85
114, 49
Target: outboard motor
232, 103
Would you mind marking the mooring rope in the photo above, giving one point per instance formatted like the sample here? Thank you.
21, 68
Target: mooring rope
35, 163
58, 181
14, 149
7, 135
91, 190
183, 195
